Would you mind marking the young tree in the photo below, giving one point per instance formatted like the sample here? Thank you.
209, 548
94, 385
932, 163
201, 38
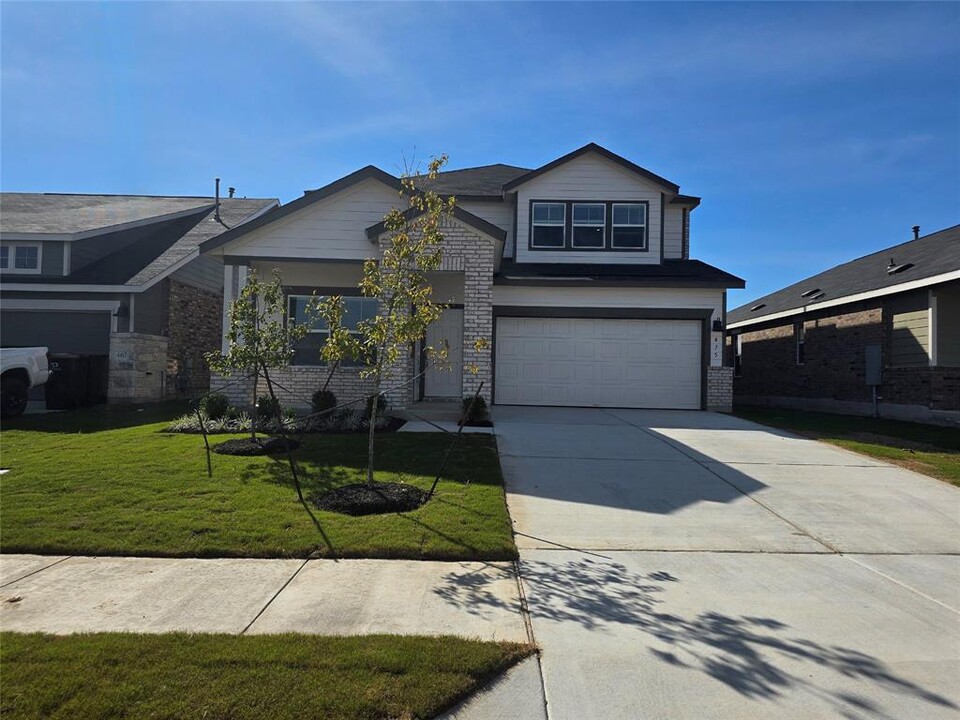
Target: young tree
259, 339
398, 280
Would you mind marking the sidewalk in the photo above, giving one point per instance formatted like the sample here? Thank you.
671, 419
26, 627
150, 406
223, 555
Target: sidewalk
346, 597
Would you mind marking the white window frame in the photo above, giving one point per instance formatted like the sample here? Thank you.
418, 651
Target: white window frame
11, 267
574, 225
614, 225
324, 331
534, 224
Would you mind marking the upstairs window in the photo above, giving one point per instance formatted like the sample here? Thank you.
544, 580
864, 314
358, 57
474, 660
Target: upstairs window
589, 225
629, 230
549, 225
20, 258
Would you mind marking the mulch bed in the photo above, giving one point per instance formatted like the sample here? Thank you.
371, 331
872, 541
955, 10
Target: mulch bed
260, 446
478, 423
364, 499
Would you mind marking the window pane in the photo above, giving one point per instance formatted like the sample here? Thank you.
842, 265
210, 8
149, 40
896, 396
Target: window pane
26, 257
629, 214
298, 313
628, 237
588, 214
550, 236
588, 237
4, 256
549, 213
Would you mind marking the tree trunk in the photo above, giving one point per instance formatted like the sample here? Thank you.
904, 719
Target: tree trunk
373, 427
283, 434
253, 412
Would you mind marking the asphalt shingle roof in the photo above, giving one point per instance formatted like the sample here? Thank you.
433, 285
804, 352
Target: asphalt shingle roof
487, 180
56, 213
142, 252
692, 272
924, 257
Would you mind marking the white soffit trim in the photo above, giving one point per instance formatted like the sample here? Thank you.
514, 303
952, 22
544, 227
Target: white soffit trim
61, 305
846, 299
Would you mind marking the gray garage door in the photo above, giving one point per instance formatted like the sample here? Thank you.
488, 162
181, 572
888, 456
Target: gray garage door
61, 332
593, 362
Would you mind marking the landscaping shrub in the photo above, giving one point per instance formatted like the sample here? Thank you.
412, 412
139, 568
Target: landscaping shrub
323, 400
214, 405
267, 407
477, 413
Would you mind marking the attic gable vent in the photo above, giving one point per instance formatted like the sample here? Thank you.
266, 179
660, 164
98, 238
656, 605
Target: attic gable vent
757, 307
810, 293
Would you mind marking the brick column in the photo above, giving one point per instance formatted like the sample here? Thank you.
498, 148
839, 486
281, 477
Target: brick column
720, 389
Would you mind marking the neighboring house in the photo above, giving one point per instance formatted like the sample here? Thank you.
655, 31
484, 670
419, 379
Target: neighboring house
806, 346
577, 273
118, 277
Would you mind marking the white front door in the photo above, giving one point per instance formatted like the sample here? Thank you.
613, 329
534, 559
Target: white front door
445, 380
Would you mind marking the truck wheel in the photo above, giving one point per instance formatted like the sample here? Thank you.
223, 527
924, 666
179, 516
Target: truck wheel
13, 397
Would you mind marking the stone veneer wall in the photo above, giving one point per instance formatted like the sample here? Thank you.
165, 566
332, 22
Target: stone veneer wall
194, 324
138, 364
720, 389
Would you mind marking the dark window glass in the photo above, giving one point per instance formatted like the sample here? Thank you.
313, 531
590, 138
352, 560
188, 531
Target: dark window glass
4, 256
307, 350
629, 237
548, 236
26, 257
588, 237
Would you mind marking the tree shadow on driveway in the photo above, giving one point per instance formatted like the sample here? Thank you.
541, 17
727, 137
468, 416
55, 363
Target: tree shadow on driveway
761, 658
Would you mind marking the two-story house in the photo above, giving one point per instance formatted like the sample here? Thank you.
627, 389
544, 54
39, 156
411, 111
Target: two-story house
578, 274
116, 279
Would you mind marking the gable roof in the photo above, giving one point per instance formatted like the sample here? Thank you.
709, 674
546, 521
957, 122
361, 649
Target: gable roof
133, 255
913, 262
468, 218
486, 181
309, 198
593, 148
73, 216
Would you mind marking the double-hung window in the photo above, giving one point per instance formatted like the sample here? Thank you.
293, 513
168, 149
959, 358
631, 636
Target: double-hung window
589, 225
549, 225
15, 258
800, 336
629, 227
307, 350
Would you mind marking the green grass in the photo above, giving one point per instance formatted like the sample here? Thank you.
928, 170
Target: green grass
929, 449
119, 675
97, 483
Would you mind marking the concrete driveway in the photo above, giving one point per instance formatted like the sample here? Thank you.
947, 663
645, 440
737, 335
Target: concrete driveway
694, 565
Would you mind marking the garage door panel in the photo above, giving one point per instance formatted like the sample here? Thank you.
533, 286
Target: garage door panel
598, 362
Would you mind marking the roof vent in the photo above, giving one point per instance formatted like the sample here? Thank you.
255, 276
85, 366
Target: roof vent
916, 232
810, 293
893, 268
817, 296
757, 307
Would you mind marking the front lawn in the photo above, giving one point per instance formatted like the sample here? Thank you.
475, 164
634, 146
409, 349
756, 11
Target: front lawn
929, 449
115, 675
96, 483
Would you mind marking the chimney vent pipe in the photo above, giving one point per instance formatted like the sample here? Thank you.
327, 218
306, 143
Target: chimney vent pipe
216, 212
916, 232
231, 191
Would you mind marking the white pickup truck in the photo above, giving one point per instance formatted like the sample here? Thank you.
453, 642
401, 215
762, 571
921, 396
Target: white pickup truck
20, 370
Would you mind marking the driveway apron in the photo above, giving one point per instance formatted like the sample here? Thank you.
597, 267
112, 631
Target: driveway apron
694, 565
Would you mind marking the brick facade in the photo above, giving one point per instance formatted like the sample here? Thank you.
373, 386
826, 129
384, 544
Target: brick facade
834, 368
194, 322
720, 389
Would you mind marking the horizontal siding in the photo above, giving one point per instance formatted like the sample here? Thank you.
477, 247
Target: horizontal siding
332, 228
910, 338
588, 177
673, 232
948, 329
205, 273
312, 274
599, 297
498, 213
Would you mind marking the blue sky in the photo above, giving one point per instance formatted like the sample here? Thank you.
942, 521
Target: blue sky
815, 133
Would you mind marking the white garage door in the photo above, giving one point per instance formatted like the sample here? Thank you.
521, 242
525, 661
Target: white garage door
589, 362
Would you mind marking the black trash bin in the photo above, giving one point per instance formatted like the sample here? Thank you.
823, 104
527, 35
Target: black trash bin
76, 381
66, 386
